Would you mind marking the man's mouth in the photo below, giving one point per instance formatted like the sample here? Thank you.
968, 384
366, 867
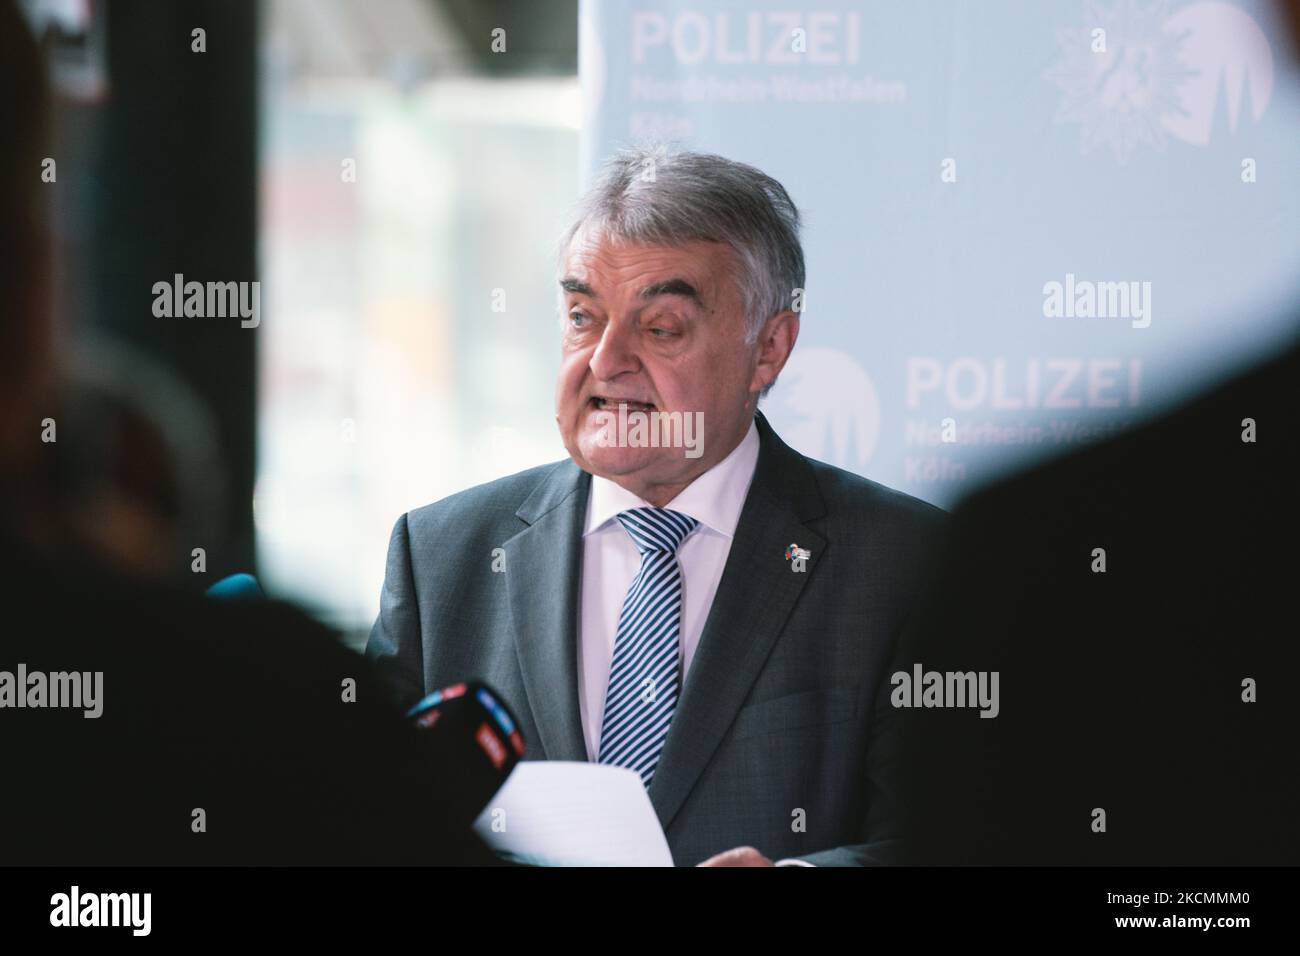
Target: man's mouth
611, 404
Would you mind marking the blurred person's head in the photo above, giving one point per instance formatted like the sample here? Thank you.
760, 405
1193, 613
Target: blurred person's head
678, 283
142, 481
139, 478
25, 333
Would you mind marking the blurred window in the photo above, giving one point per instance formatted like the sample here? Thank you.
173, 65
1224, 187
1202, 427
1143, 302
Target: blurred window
409, 212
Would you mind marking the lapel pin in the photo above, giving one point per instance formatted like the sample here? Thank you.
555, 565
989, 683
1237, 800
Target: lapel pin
798, 557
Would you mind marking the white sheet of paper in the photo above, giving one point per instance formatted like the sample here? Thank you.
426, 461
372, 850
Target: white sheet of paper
564, 813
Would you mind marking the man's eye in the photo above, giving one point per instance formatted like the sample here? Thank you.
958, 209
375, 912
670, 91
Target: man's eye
576, 318
662, 333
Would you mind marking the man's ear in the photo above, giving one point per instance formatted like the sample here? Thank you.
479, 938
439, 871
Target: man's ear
775, 342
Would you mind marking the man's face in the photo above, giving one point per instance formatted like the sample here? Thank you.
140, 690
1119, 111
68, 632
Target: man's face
661, 328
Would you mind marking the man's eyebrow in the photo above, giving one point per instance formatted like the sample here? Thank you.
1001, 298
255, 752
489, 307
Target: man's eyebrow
569, 284
673, 287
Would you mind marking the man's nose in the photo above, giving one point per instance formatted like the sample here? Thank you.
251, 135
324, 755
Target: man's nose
616, 353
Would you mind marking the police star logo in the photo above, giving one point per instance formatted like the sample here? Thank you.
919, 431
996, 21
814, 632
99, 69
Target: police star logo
1119, 75
1132, 73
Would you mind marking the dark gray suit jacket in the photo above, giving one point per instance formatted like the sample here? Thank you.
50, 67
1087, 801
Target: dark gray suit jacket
783, 739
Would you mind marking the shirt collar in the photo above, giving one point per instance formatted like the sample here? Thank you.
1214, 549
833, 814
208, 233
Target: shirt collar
714, 499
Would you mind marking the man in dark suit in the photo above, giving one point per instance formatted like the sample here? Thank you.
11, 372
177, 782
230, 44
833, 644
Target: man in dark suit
714, 610
200, 732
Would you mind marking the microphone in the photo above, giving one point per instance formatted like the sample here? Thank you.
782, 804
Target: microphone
467, 726
237, 587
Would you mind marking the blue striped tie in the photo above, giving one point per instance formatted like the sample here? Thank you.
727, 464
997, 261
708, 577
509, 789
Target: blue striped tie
643, 677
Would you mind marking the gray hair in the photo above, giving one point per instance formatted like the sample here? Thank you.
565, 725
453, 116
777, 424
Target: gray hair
657, 196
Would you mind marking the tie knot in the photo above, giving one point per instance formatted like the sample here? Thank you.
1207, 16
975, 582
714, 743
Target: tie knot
656, 529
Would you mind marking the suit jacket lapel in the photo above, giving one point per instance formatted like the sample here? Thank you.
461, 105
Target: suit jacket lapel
755, 597
543, 571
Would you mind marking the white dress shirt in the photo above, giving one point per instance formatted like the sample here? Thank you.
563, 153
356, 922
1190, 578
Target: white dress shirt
610, 561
